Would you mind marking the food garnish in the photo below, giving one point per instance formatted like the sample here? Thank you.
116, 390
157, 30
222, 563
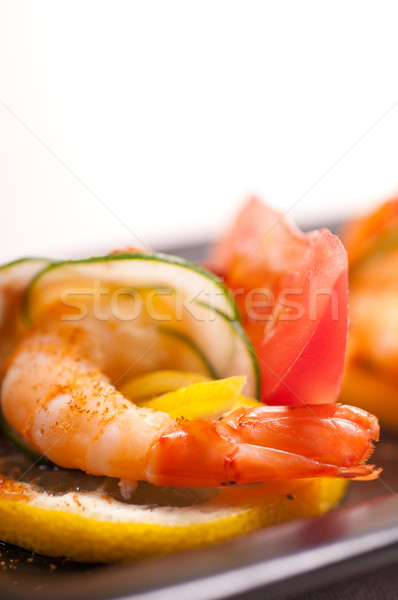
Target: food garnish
291, 290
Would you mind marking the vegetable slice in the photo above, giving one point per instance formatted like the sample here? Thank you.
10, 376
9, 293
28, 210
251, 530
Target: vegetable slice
291, 290
14, 278
158, 383
205, 400
154, 271
152, 297
188, 395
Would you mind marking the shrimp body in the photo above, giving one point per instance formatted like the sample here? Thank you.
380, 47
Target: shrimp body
62, 401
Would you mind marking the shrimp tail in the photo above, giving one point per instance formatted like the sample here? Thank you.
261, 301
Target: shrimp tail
266, 443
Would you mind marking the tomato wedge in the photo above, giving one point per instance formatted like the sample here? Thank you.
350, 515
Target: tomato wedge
291, 292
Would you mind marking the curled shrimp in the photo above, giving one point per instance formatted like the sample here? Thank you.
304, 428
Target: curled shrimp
372, 245
60, 398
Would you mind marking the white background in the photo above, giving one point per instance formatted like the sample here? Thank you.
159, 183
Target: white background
171, 113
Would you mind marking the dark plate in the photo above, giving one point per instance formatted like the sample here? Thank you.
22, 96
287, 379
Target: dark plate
276, 562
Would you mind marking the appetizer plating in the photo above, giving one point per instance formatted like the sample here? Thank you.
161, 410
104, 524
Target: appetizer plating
133, 366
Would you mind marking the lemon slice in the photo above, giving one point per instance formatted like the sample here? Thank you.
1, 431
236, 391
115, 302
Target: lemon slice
92, 527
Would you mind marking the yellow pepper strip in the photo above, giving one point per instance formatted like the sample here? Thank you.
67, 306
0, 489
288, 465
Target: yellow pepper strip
203, 400
159, 382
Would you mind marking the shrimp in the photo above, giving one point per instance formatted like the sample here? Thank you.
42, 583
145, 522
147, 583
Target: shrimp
372, 245
58, 394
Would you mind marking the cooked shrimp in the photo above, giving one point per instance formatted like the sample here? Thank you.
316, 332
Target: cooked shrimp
62, 401
373, 338
372, 245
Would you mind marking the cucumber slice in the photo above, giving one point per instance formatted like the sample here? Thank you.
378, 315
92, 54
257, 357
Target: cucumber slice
167, 309
14, 278
16, 275
154, 271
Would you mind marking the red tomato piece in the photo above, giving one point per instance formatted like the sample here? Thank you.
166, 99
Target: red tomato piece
291, 291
